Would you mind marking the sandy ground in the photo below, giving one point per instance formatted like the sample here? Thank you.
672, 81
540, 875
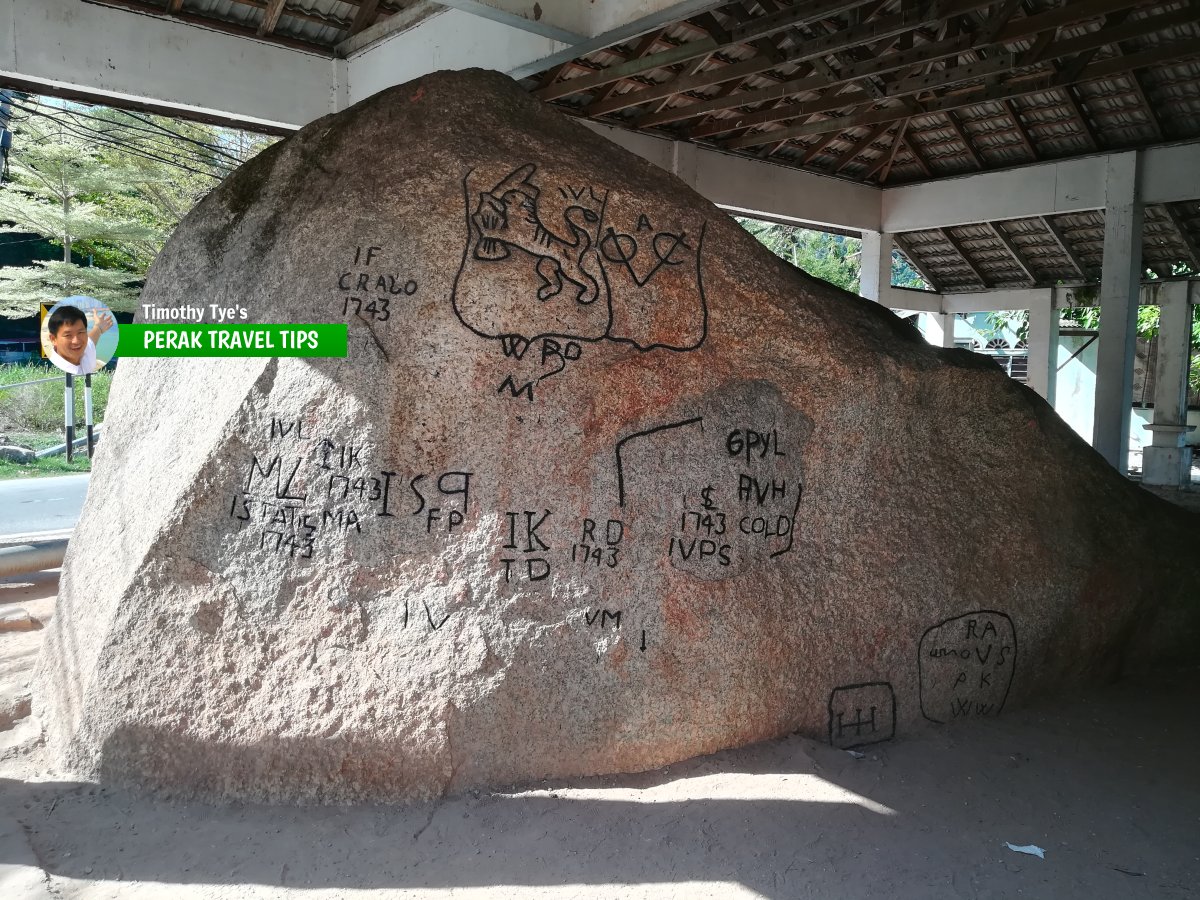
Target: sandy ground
1107, 783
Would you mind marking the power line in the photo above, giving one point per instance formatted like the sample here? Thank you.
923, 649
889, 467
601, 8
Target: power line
93, 134
181, 137
214, 148
86, 130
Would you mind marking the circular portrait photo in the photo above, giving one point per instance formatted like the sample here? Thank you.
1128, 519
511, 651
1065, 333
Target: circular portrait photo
79, 335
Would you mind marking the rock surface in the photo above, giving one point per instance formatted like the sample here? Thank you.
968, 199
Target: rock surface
601, 485
17, 453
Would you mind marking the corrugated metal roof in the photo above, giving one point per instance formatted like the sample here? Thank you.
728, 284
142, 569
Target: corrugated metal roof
315, 25
1082, 114
974, 257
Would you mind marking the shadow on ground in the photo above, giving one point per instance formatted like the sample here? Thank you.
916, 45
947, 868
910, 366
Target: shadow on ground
1106, 783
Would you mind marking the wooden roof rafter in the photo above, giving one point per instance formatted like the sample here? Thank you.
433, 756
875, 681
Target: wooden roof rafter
915, 260
1014, 79
1060, 240
1014, 251
864, 114
966, 256
271, 17
1185, 236
883, 165
235, 28
805, 51
975, 71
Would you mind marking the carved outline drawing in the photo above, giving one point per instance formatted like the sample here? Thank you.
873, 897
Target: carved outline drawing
851, 687
551, 249
921, 662
649, 431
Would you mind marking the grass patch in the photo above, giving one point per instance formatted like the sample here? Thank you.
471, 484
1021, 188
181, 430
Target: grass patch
32, 416
38, 408
52, 465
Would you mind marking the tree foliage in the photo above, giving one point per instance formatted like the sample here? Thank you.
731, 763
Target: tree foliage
832, 257
108, 187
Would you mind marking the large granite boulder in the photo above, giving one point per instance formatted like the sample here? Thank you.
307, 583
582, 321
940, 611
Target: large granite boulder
601, 485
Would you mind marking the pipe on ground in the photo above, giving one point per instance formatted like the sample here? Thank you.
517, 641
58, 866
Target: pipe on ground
21, 559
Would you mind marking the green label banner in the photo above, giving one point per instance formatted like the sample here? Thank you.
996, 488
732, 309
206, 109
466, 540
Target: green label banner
177, 339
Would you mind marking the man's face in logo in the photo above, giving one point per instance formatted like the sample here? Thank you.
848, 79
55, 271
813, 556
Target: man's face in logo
70, 341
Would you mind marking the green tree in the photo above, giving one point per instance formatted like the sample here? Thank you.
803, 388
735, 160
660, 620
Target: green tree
54, 183
832, 257
108, 185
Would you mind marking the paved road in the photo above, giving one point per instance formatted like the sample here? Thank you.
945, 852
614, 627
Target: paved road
41, 504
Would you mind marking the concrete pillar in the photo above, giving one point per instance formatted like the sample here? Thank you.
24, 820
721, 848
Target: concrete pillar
939, 329
685, 162
1119, 284
1042, 341
340, 89
1166, 460
876, 272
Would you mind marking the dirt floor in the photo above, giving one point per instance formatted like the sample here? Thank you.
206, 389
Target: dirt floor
1108, 784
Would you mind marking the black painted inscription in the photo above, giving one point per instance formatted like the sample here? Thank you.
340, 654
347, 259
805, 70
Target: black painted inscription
862, 714
966, 666
575, 274
368, 287
455, 487
329, 486
522, 533
601, 618
599, 545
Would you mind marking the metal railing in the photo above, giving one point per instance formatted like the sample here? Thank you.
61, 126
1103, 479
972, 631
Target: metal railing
69, 412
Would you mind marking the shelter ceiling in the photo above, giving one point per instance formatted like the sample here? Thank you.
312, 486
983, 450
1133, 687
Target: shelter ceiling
882, 92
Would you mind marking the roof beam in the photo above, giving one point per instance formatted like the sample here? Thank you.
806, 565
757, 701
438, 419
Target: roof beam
813, 151
997, 18
644, 46
884, 164
892, 26
327, 20
849, 156
1022, 132
965, 139
102, 54
271, 17
1166, 53
917, 155
890, 63
1185, 236
913, 260
1080, 116
1014, 251
752, 29
998, 64
1081, 49
365, 17
1068, 251
766, 45
142, 6
814, 48
966, 257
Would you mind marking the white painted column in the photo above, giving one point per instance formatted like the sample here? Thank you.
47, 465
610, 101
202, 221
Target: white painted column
1119, 284
939, 329
1042, 340
1167, 460
685, 162
875, 276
